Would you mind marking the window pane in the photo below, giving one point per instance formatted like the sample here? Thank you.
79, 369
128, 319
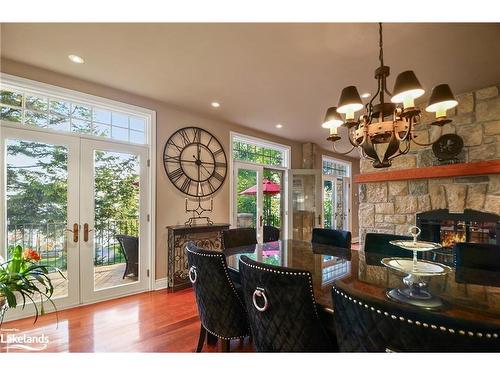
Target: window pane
11, 98
119, 119
59, 123
81, 126
10, 114
137, 123
119, 133
81, 111
35, 118
136, 137
102, 130
37, 103
102, 116
60, 107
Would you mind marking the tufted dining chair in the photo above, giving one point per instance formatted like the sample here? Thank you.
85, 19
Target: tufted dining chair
282, 311
239, 237
364, 324
222, 312
332, 237
477, 263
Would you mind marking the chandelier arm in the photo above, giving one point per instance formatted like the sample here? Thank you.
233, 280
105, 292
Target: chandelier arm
343, 153
352, 141
408, 132
365, 156
430, 143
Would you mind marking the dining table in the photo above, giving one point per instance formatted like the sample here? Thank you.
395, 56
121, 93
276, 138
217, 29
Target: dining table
466, 293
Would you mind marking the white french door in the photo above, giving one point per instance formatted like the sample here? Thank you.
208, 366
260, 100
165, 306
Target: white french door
110, 173
248, 197
71, 198
336, 199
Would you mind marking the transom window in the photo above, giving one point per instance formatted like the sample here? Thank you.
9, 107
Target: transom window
256, 151
335, 168
41, 109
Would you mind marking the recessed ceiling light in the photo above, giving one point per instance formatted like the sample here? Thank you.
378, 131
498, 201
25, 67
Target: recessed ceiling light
365, 95
215, 104
279, 126
76, 59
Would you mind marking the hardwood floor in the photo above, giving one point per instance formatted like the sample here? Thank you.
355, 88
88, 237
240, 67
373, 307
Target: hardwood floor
148, 322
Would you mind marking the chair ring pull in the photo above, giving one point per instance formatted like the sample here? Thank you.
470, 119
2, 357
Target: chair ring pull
192, 271
259, 292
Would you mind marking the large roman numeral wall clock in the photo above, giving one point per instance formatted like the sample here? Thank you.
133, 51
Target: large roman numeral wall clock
195, 162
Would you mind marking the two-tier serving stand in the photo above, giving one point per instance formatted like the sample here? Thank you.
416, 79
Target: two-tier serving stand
415, 291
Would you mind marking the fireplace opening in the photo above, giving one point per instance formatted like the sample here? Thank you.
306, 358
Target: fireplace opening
447, 228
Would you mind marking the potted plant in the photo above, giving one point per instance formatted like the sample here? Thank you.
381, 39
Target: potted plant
22, 280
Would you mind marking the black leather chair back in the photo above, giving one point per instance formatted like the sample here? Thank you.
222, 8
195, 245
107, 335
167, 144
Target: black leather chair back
271, 233
239, 237
130, 248
221, 310
477, 263
333, 237
367, 325
379, 243
282, 312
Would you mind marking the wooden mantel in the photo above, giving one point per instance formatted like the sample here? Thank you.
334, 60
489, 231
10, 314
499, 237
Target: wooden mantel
451, 170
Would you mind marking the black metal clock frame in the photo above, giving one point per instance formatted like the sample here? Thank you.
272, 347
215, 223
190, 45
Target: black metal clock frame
192, 136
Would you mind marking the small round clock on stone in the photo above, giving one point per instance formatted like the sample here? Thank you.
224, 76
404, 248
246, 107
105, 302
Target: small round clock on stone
195, 162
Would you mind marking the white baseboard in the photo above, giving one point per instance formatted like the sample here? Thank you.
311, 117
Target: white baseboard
161, 284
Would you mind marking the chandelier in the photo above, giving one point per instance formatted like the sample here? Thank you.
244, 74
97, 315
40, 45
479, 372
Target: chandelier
386, 129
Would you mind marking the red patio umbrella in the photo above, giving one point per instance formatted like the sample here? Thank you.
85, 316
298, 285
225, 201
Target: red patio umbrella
268, 187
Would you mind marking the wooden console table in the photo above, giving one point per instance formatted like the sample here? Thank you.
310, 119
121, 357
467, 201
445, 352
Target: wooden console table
205, 236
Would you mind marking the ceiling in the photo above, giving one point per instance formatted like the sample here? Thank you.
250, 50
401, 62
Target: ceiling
262, 74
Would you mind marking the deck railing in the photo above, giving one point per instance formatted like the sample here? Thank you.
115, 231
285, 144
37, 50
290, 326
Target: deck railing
49, 240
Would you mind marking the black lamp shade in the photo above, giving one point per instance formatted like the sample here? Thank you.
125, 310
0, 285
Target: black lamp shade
350, 100
332, 118
442, 98
406, 85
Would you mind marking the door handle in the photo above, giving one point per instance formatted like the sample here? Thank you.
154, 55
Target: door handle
260, 220
86, 231
74, 231
319, 219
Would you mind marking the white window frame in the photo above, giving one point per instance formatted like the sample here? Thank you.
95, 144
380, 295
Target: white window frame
44, 89
234, 136
325, 177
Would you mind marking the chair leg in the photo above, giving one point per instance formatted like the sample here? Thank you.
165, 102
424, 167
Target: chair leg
225, 346
126, 269
201, 339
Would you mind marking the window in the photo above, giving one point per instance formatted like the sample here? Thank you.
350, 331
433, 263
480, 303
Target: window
45, 109
256, 151
336, 168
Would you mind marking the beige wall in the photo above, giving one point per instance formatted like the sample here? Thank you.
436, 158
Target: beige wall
169, 202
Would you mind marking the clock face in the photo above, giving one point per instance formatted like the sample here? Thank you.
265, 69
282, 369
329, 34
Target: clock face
195, 162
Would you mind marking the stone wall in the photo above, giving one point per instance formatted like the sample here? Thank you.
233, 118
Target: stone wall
390, 207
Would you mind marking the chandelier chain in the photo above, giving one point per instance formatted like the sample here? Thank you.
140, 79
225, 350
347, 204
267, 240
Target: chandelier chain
381, 44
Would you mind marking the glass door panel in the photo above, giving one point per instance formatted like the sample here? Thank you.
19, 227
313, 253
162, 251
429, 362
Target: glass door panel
41, 186
112, 218
272, 185
336, 202
248, 198
306, 204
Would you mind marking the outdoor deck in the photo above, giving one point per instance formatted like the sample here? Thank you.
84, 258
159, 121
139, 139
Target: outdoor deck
104, 277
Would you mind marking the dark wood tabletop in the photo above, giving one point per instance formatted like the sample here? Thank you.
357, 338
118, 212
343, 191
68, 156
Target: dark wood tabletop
364, 274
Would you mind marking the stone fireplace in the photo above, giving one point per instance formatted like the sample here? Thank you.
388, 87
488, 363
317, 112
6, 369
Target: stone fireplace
392, 206
448, 228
